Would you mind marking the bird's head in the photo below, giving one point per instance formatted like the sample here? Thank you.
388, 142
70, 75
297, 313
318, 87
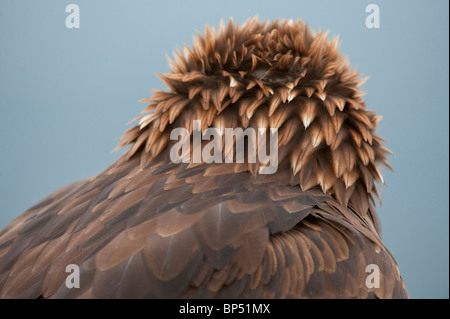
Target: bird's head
280, 75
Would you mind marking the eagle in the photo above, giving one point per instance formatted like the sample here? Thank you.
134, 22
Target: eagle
151, 226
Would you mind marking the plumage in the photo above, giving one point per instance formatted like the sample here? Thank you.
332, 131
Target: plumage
147, 227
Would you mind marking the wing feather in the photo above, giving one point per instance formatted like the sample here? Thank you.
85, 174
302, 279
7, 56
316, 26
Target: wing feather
169, 231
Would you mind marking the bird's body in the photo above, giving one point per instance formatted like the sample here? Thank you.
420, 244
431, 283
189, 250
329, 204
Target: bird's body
147, 227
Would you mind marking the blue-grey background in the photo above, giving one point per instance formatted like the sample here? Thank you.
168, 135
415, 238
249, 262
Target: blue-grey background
67, 94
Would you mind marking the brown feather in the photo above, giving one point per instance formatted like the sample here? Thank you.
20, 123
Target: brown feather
146, 227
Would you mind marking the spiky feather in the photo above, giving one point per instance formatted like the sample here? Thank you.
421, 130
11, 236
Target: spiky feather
293, 71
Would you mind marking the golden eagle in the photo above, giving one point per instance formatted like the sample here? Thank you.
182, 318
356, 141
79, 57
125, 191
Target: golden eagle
151, 227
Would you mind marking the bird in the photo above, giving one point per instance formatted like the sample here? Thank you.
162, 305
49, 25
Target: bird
154, 225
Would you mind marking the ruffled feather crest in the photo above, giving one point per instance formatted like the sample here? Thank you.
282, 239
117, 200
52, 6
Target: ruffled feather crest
273, 74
